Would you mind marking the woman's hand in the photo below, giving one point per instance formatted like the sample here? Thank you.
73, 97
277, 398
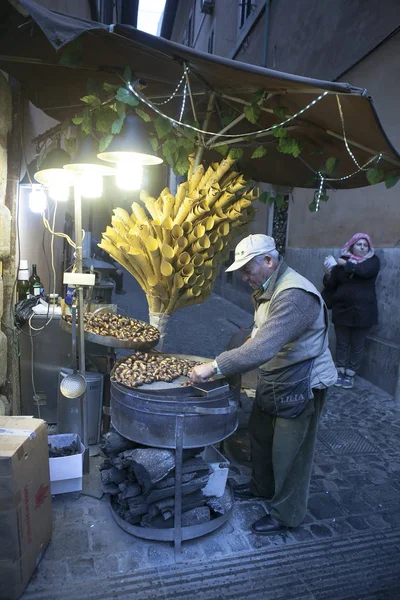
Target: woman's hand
341, 262
327, 270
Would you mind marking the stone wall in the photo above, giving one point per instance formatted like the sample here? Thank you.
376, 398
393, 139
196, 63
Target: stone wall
5, 225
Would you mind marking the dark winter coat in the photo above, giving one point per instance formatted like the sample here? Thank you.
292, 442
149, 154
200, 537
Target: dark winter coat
352, 295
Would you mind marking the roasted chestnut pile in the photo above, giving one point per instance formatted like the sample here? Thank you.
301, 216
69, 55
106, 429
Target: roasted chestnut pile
118, 326
145, 367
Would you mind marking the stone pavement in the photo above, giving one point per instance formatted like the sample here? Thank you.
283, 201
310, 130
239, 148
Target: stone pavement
347, 547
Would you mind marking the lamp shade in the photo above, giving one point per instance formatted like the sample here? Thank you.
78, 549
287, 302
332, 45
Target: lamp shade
132, 143
86, 161
52, 165
29, 178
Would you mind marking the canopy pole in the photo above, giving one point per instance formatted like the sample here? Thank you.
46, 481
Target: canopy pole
200, 150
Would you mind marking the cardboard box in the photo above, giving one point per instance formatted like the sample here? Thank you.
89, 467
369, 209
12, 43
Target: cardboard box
66, 471
220, 465
25, 501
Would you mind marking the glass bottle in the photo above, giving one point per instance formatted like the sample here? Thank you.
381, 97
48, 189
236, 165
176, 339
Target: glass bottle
35, 285
23, 286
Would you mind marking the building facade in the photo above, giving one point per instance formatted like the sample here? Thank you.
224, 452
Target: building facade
357, 42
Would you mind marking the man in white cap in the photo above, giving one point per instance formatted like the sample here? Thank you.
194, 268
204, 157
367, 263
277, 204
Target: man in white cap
289, 345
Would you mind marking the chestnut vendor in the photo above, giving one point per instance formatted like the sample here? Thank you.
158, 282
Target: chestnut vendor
289, 345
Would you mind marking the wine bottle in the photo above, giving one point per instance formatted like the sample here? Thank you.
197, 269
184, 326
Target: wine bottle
35, 285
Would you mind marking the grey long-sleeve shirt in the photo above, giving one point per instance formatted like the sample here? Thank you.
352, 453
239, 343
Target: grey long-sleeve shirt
290, 315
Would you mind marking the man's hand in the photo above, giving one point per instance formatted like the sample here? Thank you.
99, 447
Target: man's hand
202, 372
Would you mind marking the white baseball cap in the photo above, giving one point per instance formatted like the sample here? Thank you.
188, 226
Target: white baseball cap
252, 245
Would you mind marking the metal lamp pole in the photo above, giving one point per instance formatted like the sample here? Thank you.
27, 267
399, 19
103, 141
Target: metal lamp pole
81, 331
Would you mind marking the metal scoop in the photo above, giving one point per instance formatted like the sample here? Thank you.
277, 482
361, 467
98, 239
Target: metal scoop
74, 385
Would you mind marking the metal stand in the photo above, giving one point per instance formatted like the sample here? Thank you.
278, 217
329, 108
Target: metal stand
177, 534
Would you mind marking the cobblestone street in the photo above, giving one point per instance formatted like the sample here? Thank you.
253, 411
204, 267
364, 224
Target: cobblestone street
347, 547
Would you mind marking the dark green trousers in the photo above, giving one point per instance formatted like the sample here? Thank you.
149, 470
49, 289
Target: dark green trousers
282, 454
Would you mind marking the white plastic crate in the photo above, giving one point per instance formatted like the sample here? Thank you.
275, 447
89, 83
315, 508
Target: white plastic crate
66, 471
218, 478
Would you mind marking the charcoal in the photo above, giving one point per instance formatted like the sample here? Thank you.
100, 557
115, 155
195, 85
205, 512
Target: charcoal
117, 462
113, 475
113, 443
166, 507
106, 464
170, 481
187, 488
195, 516
131, 491
137, 506
150, 465
220, 506
70, 450
118, 509
133, 519
196, 465
110, 488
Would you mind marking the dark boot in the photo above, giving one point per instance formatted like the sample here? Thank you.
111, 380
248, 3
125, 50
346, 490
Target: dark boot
267, 525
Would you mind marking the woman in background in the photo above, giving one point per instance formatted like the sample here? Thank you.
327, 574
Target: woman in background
350, 286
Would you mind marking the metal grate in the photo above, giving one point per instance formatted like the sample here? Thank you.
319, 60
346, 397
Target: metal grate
346, 441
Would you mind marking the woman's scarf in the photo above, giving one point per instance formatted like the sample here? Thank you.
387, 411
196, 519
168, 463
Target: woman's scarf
346, 252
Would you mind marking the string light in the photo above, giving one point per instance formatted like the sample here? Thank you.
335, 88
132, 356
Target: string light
175, 91
225, 135
183, 103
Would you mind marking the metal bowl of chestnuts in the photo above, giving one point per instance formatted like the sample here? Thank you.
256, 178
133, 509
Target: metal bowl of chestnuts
116, 330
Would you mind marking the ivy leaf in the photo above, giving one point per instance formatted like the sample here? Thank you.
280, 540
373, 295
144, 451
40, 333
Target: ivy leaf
143, 115
223, 149
105, 117
256, 97
324, 197
190, 133
86, 121
170, 151
391, 180
117, 125
235, 153
375, 175
154, 143
105, 142
312, 207
120, 108
280, 200
264, 197
252, 113
91, 100
127, 74
77, 120
227, 119
259, 152
182, 164
330, 164
109, 87
288, 145
70, 145
163, 127
280, 132
124, 95
281, 112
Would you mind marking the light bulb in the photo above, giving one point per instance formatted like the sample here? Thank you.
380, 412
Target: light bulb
58, 186
90, 184
37, 199
129, 175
